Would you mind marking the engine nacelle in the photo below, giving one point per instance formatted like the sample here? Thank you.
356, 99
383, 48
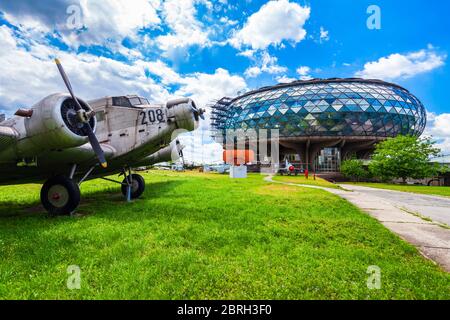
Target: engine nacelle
169, 153
53, 125
182, 111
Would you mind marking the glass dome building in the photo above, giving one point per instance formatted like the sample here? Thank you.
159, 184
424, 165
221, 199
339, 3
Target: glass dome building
323, 121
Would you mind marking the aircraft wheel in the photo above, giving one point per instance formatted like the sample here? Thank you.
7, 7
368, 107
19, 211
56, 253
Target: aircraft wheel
137, 186
60, 196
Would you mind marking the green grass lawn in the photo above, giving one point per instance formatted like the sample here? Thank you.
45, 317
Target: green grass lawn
300, 179
431, 190
205, 236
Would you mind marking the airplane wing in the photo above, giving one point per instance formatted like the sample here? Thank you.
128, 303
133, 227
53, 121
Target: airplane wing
84, 153
7, 137
80, 155
169, 153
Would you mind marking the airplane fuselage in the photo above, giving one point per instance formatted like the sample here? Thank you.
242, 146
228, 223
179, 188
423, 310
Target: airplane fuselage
127, 135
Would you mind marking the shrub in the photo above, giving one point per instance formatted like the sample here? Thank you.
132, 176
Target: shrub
404, 157
354, 169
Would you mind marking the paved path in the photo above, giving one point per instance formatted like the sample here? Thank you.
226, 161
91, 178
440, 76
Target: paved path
394, 212
433, 207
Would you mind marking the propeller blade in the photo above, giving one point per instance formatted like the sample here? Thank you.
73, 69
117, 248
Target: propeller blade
182, 158
68, 85
180, 152
84, 118
195, 112
95, 145
198, 113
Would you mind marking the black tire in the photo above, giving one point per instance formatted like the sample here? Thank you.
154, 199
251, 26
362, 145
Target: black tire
60, 196
137, 188
431, 182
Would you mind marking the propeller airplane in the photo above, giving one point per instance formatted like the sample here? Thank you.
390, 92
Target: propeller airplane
64, 141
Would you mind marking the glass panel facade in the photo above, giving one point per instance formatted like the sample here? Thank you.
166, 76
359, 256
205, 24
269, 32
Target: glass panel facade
331, 108
328, 160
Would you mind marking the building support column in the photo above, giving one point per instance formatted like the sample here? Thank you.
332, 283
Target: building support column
356, 147
316, 148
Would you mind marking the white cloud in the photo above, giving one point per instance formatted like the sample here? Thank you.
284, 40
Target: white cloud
107, 23
204, 87
275, 22
252, 72
247, 53
285, 79
186, 30
161, 70
29, 74
266, 64
119, 19
324, 34
102, 22
304, 73
397, 66
227, 21
438, 127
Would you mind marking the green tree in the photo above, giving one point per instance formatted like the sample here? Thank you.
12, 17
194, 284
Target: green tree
354, 169
404, 157
443, 169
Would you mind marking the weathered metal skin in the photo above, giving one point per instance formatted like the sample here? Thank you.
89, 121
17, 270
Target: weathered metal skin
181, 110
41, 133
169, 153
42, 146
46, 130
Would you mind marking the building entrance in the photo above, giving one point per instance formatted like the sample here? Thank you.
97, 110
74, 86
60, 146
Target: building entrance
328, 160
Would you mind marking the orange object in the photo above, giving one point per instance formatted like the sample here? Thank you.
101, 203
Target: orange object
238, 157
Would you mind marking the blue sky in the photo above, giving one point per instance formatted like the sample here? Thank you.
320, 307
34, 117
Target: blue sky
208, 49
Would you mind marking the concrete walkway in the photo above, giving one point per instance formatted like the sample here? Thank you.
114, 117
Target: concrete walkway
395, 210
434, 207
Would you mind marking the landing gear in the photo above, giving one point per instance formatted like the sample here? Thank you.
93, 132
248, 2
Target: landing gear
134, 184
60, 196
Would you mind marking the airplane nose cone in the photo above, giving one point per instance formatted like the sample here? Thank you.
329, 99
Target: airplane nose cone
198, 112
186, 113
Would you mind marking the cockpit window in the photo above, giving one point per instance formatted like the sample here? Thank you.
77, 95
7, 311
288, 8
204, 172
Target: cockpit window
129, 102
135, 101
144, 101
121, 102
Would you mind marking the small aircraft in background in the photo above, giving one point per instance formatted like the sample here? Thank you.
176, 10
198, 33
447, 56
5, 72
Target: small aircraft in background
64, 141
219, 168
289, 169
